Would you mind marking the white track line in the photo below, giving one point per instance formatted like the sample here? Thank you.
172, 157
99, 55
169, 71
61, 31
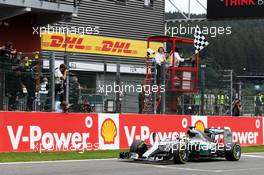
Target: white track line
253, 153
56, 161
243, 169
188, 169
254, 156
178, 167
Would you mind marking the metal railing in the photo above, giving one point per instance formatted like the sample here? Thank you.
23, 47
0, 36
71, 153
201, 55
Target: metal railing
19, 78
75, 3
25, 85
248, 105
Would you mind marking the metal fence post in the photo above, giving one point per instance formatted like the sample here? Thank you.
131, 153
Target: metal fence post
52, 79
118, 108
66, 62
231, 92
163, 96
1, 90
154, 95
202, 87
182, 105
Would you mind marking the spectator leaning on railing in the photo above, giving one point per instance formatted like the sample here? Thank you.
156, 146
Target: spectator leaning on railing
28, 81
74, 91
7, 53
7, 57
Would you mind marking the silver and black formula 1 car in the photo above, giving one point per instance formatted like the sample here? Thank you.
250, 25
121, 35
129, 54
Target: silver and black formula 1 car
211, 143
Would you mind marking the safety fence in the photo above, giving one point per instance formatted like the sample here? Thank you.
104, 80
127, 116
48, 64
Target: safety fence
20, 76
213, 105
26, 81
192, 103
248, 105
38, 132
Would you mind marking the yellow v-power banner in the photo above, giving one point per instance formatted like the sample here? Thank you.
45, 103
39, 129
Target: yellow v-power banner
96, 45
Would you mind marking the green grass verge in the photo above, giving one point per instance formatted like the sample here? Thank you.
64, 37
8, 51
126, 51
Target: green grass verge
251, 149
50, 156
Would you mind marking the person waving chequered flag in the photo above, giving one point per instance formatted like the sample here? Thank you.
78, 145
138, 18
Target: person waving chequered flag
200, 41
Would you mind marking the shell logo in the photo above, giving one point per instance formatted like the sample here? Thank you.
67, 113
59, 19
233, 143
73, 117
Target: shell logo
109, 131
199, 125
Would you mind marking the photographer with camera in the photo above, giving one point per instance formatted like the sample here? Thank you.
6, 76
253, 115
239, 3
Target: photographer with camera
60, 77
236, 107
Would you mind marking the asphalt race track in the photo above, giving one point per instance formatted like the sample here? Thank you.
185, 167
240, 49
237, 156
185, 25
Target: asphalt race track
249, 164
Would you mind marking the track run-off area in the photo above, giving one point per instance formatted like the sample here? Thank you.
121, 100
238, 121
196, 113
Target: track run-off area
250, 163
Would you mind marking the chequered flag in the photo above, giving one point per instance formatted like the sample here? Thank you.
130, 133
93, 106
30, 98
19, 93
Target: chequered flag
199, 40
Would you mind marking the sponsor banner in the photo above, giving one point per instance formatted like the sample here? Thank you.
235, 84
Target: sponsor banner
246, 130
136, 126
38, 132
96, 45
108, 131
228, 9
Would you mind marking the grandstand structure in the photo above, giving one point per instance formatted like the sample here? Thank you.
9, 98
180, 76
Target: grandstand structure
19, 17
117, 29
106, 47
20, 23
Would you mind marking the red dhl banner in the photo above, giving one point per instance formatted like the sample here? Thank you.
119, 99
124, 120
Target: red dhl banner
96, 45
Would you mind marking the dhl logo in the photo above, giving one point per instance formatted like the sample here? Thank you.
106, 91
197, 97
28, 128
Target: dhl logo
119, 47
72, 42
109, 131
69, 42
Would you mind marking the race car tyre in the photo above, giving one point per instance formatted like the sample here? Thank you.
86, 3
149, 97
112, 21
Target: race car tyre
139, 147
180, 156
234, 153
